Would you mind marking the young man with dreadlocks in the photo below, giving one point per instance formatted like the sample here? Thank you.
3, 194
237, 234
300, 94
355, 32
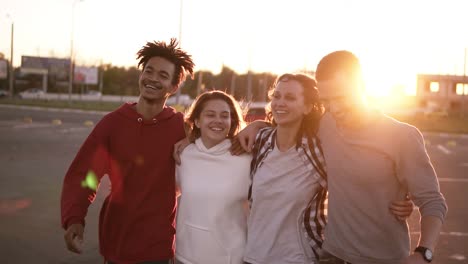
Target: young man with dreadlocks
133, 146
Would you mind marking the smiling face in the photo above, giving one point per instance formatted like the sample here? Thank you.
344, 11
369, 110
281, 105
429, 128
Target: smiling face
214, 122
342, 97
287, 103
340, 84
155, 82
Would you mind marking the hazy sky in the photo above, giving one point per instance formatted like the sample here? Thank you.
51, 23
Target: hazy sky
394, 39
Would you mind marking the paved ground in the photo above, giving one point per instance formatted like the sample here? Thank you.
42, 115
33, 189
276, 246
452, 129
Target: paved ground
34, 157
36, 149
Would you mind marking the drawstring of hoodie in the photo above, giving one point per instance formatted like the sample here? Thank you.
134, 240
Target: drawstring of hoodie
142, 123
140, 127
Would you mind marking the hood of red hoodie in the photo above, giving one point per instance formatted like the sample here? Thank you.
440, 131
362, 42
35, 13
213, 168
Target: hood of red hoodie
128, 110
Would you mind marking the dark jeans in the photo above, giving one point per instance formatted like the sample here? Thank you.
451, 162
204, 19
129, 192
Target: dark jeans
330, 259
169, 261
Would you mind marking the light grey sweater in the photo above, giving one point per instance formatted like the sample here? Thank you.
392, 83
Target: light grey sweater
368, 168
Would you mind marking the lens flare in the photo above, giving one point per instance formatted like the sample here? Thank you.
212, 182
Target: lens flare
139, 160
12, 206
88, 123
91, 181
57, 122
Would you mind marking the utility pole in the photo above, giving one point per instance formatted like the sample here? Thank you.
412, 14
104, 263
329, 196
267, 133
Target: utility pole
249, 86
12, 69
199, 83
101, 77
233, 85
465, 85
180, 45
70, 81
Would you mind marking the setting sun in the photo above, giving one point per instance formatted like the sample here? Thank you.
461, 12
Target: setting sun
388, 79
395, 40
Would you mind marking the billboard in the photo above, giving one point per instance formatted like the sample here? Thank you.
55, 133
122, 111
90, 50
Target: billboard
3, 69
58, 67
85, 75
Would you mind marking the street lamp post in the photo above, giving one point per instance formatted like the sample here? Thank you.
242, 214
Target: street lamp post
12, 72
180, 45
70, 74
464, 86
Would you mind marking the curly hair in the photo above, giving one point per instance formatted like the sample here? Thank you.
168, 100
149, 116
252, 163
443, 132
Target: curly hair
183, 62
237, 120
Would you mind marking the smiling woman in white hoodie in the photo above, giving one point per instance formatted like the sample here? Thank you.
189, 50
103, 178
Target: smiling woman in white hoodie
212, 210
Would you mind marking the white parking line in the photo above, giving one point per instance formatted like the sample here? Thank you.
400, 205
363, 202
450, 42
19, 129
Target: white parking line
73, 129
458, 257
34, 125
452, 180
444, 149
458, 234
64, 110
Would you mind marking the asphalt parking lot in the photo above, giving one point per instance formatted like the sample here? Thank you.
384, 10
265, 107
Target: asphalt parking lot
37, 147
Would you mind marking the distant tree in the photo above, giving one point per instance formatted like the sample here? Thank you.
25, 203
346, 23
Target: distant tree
120, 81
124, 81
223, 79
131, 81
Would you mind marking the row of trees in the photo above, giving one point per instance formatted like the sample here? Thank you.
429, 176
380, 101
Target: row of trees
124, 81
252, 86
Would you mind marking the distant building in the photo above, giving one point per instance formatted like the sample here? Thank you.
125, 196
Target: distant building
448, 92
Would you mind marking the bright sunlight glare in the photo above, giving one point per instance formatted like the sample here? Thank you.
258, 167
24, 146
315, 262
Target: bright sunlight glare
395, 40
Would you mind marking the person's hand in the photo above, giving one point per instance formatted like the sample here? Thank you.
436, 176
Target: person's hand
178, 148
236, 149
402, 209
246, 137
74, 238
414, 258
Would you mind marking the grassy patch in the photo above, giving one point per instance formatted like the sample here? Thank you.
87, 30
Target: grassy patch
83, 105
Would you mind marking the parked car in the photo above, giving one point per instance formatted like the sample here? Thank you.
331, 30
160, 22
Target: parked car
256, 111
32, 93
184, 100
4, 93
94, 92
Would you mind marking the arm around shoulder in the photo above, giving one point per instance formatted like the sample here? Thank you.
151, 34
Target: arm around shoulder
247, 136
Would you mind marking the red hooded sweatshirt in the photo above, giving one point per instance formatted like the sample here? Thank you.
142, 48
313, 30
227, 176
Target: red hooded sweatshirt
136, 223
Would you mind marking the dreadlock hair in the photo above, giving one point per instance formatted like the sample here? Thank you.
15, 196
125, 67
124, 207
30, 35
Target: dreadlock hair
182, 61
310, 122
237, 120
